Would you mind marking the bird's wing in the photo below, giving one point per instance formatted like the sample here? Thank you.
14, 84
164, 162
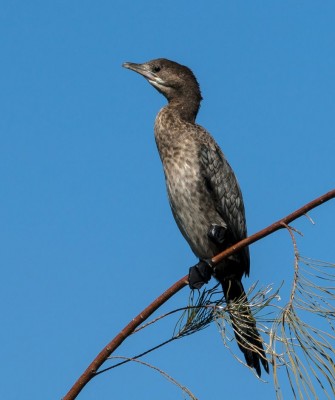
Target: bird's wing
222, 186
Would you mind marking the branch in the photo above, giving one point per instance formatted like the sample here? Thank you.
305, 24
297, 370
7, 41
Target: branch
275, 226
116, 342
92, 369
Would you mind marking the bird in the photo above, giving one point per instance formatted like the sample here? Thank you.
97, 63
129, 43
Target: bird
204, 195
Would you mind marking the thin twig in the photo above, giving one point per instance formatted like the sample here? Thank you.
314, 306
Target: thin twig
135, 358
164, 374
92, 369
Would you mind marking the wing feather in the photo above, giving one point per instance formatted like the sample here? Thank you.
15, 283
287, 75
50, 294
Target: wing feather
222, 185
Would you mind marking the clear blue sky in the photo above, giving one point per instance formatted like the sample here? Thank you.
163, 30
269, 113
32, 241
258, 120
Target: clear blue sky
86, 234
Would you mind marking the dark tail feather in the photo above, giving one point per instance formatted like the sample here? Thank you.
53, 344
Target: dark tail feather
244, 325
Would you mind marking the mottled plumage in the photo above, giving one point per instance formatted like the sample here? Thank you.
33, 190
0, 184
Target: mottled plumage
204, 194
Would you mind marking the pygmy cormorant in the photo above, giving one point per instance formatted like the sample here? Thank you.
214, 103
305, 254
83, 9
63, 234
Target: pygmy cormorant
204, 195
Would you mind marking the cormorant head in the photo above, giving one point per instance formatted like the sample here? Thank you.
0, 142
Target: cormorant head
173, 80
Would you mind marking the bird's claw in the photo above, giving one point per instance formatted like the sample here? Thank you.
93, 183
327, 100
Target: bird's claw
200, 274
217, 233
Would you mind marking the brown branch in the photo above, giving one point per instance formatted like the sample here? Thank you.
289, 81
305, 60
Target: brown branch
275, 226
115, 343
92, 369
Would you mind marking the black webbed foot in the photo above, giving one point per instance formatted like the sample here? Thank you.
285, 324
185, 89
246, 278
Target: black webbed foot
199, 274
217, 233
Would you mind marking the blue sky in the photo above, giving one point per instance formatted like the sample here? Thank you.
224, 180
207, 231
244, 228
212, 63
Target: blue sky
87, 237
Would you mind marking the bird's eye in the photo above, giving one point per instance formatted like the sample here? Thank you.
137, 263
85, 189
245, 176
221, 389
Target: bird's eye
156, 69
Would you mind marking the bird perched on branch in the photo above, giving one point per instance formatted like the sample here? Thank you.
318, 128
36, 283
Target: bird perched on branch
204, 195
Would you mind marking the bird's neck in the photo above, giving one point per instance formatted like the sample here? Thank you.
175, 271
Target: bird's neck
186, 109
172, 127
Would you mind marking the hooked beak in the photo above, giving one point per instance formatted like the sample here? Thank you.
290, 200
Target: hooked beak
144, 70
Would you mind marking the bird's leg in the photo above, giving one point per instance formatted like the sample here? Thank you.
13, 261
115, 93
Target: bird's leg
200, 274
217, 233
